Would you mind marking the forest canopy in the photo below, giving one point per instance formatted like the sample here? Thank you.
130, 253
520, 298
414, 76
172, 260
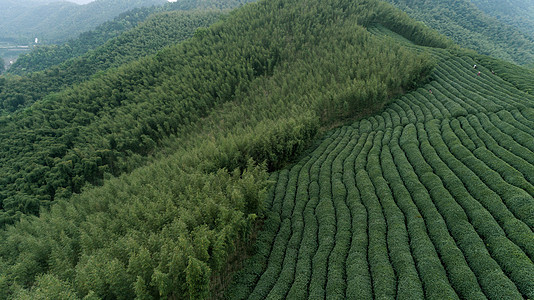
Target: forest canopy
208, 117
159, 31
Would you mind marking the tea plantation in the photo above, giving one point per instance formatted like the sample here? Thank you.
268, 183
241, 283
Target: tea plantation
431, 198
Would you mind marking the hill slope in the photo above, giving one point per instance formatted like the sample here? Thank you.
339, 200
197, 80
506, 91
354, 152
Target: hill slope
44, 56
468, 26
47, 56
518, 13
431, 198
244, 96
159, 31
60, 21
58, 144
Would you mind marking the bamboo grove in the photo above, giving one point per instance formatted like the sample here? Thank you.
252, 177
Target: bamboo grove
110, 124
57, 21
46, 56
131, 36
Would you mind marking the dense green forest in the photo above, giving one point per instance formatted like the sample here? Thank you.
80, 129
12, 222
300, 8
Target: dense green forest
209, 117
470, 27
147, 166
85, 128
159, 31
58, 21
518, 13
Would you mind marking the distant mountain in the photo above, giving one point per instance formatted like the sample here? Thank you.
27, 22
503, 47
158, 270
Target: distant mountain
157, 32
45, 56
518, 13
58, 21
471, 27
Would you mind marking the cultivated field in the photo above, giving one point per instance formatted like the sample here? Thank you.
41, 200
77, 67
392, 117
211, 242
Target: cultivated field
432, 198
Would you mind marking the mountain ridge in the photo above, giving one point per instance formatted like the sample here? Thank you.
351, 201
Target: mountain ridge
53, 21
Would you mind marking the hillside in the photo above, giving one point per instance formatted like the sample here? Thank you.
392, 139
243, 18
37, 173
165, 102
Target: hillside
150, 179
46, 56
470, 27
431, 198
208, 117
54, 147
518, 13
159, 31
59, 21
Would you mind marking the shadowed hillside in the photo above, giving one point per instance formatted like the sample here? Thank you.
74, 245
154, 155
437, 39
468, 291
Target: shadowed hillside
518, 13
159, 31
46, 56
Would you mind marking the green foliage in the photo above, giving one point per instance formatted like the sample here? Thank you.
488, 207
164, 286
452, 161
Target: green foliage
158, 32
199, 218
432, 197
108, 126
517, 13
60, 21
198, 279
45, 56
470, 27
47, 287
122, 29
416, 32
521, 78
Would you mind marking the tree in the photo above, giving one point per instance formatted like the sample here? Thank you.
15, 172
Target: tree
198, 279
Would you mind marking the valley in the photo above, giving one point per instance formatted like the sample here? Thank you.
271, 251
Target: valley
9, 53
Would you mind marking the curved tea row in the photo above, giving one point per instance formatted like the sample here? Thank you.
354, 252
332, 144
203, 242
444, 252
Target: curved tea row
433, 198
